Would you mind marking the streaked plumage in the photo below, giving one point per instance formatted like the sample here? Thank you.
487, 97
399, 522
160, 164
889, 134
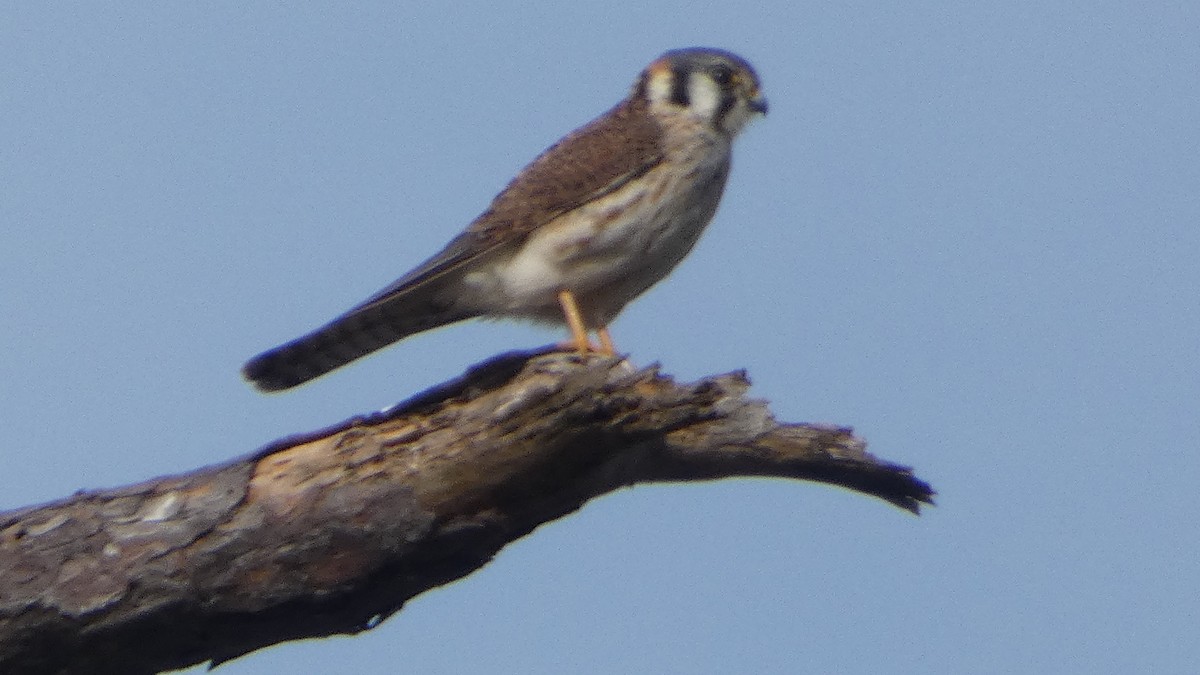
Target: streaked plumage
593, 222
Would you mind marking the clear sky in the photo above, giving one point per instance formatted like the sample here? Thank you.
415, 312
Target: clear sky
969, 230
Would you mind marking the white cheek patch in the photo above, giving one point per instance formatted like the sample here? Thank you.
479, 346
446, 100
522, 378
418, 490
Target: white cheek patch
705, 96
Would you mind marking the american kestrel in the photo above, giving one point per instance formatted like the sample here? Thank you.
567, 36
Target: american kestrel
594, 221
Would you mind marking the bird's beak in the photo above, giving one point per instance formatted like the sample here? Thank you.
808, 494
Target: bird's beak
758, 104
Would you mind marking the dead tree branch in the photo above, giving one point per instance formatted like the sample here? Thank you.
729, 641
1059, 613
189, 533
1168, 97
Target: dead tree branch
331, 532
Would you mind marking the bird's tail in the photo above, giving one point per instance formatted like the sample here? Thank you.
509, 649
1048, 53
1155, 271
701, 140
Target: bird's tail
353, 335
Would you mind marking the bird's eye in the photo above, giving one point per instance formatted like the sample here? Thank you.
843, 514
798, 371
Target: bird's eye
722, 75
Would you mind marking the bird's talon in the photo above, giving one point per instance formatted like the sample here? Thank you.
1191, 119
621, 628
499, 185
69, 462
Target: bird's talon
572, 346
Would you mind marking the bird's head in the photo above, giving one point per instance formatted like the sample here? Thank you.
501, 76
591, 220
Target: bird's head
709, 84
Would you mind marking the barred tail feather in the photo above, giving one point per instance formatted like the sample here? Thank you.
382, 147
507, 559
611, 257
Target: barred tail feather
345, 339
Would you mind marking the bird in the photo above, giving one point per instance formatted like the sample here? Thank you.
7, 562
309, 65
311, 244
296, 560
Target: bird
590, 224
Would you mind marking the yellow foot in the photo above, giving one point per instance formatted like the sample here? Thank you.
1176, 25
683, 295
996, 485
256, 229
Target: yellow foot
579, 333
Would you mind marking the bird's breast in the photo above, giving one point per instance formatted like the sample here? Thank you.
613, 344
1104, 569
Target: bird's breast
610, 249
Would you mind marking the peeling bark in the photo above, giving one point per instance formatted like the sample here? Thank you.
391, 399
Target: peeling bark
331, 532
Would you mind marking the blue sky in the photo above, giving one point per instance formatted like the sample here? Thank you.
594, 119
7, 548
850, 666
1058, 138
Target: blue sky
968, 230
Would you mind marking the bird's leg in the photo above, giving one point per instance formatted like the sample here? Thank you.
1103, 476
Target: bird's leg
606, 341
574, 320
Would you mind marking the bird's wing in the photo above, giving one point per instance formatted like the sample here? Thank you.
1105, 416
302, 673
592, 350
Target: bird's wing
590, 162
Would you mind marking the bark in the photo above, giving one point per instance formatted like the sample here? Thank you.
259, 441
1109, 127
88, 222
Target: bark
331, 532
